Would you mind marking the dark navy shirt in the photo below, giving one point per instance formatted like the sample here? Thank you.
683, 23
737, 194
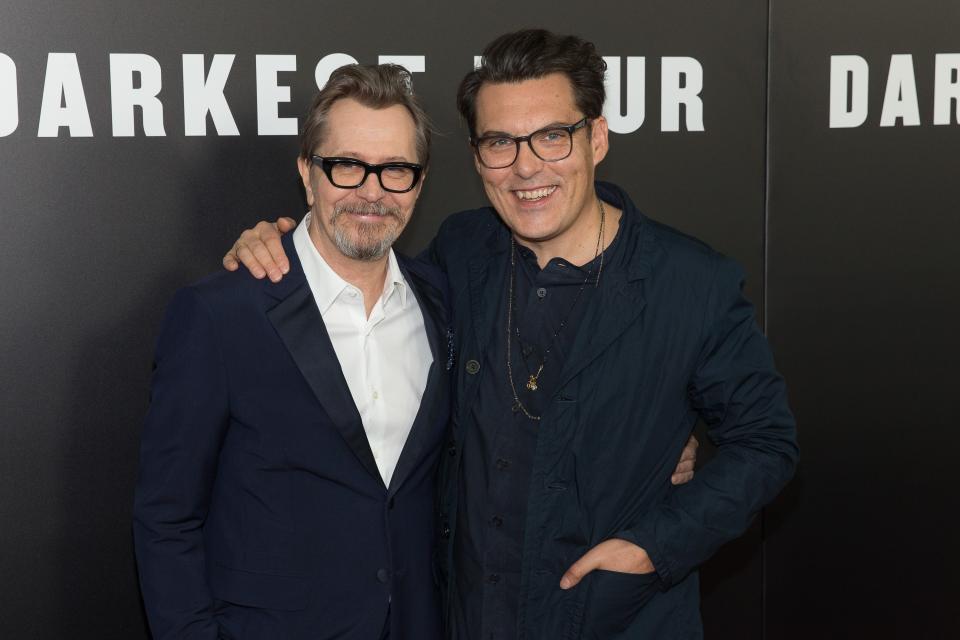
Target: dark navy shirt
498, 452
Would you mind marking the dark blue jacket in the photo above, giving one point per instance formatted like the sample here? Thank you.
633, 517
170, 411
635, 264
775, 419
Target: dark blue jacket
668, 338
260, 513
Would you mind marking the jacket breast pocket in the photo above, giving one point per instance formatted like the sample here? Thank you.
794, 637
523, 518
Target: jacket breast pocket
257, 589
614, 601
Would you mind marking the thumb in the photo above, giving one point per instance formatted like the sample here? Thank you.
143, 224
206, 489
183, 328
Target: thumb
587, 563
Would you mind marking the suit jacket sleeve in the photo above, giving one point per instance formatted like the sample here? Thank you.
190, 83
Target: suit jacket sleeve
743, 401
181, 439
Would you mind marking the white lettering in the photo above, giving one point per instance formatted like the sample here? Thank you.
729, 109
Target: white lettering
328, 64
63, 103
900, 100
9, 110
477, 61
270, 95
124, 96
946, 90
636, 82
413, 64
681, 81
849, 75
205, 95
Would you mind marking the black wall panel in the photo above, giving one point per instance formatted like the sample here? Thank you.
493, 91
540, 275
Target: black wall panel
863, 315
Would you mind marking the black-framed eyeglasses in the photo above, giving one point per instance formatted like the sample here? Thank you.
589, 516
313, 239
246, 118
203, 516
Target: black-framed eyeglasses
350, 173
550, 144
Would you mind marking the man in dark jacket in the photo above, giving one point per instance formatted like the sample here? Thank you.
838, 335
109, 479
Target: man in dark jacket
590, 339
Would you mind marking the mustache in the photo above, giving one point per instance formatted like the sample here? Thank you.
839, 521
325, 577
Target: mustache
367, 209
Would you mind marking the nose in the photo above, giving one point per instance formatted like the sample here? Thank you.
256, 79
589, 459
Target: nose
527, 164
370, 189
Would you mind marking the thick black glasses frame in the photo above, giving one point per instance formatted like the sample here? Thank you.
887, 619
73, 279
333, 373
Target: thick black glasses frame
327, 165
569, 128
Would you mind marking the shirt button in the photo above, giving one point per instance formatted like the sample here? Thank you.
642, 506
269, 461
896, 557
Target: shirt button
473, 367
541, 292
502, 464
376, 395
496, 521
493, 578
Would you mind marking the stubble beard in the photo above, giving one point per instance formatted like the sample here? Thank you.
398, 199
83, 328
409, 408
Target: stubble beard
371, 240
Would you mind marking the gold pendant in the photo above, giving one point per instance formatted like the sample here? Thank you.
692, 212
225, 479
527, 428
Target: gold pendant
532, 383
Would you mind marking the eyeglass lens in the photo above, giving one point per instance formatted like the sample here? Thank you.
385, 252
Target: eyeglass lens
550, 145
348, 175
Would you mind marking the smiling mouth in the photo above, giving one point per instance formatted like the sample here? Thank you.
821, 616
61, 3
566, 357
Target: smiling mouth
534, 195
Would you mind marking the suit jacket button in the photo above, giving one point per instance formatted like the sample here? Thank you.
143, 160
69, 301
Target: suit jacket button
473, 367
390, 503
383, 575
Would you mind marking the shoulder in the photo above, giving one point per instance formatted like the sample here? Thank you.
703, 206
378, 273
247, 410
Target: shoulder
422, 271
681, 253
466, 228
426, 278
221, 296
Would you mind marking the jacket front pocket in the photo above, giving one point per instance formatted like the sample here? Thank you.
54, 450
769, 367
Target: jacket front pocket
614, 601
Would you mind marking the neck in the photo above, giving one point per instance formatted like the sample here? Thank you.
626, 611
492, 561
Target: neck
578, 245
366, 275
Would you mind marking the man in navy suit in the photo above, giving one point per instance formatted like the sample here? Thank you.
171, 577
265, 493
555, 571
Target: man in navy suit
287, 469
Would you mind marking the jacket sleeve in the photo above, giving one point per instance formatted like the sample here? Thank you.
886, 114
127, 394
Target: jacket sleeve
741, 397
180, 444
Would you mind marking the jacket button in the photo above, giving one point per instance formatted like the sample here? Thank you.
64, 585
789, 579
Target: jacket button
452, 450
473, 367
390, 503
383, 575
445, 532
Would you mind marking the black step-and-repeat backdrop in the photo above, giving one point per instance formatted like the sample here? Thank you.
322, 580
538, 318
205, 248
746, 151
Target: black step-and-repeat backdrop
863, 311
815, 142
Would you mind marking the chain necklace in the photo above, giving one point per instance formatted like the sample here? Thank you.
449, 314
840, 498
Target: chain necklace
532, 381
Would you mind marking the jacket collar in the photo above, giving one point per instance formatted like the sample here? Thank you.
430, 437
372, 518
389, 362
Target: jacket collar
300, 326
298, 322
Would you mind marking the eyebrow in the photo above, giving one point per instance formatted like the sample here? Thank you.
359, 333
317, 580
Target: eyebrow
356, 156
551, 125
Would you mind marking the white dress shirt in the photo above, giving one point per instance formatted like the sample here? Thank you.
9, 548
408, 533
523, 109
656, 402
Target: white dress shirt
385, 357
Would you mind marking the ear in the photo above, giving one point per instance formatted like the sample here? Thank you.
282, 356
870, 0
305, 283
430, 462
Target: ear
599, 139
476, 159
303, 166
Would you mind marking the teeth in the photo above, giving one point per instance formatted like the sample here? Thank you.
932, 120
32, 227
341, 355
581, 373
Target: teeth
536, 194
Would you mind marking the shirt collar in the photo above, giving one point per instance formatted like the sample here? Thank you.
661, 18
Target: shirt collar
326, 284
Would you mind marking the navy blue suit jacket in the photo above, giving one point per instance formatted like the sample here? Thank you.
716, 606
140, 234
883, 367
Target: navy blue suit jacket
259, 511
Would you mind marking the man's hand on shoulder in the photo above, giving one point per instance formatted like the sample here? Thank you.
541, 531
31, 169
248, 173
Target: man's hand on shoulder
260, 250
610, 555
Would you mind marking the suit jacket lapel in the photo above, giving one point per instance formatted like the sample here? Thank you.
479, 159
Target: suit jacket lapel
434, 404
300, 326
